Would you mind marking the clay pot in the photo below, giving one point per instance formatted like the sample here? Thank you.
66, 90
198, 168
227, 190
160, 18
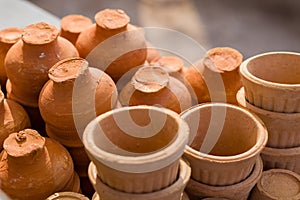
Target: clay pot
283, 128
183, 197
288, 158
37, 166
112, 44
152, 53
13, 118
277, 184
171, 64
27, 62
74, 95
216, 77
152, 85
8, 37
272, 81
73, 25
238, 191
172, 192
80, 159
225, 141
67, 196
136, 149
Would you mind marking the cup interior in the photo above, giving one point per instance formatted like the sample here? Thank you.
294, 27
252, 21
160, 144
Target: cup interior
280, 68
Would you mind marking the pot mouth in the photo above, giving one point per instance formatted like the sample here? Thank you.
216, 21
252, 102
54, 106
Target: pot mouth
134, 161
10, 35
184, 173
112, 19
240, 96
75, 23
170, 64
67, 196
253, 68
212, 140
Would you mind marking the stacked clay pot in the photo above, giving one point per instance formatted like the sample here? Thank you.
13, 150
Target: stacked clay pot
112, 44
216, 77
272, 91
8, 37
224, 150
34, 167
152, 85
74, 95
135, 153
13, 118
27, 63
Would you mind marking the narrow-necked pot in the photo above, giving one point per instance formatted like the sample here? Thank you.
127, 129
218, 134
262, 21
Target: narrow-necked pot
272, 81
277, 184
171, 64
225, 141
238, 191
283, 128
67, 196
172, 192
137, 149
288, 158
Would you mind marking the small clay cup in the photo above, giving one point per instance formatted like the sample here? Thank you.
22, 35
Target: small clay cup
277, 184
272, 81
283, 128
73, 25
288, 158
67, 196
136, 149
225, 141
172, 192
238, 191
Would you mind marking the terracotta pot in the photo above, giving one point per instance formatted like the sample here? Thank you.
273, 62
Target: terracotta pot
13, 118
8, 37
225, 141
183, 197
74, 95
217, 73
136, 149
152, 85
27, 62
171, 64
67, 196
119, 45
152, 53
272, 81
277, 184
73, 25
46, 166
80, 159
283, 128
172, 192
288, 158
238, 191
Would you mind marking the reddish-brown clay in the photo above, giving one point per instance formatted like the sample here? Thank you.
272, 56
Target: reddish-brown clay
112, 44
152, 85
34, 167
13, 118
8, 37
73, 25
70, 93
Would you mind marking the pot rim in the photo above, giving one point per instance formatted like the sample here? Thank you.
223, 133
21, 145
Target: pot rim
291, 152
261, 142
245, 73
135, 163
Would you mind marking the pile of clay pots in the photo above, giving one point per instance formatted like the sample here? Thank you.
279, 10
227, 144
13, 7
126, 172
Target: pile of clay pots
93, 108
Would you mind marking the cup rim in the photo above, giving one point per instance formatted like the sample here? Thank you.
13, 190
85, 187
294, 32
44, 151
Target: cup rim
261, 141
144, 163
245, 73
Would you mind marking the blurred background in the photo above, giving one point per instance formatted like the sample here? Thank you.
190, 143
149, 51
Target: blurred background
251, 27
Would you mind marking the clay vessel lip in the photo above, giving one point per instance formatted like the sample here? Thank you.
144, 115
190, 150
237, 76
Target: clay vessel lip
68, 69
10, 35
293, 151
248, 75
67, 196
170, 63
39, 33
184, 174
75, 23
112, 19
138, 163
261, 141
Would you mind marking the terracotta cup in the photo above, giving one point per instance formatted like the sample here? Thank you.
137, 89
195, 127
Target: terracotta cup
272, 81
67, 196
277, 184
172, 192
283, 128
238, 191
225, 141
137, 149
